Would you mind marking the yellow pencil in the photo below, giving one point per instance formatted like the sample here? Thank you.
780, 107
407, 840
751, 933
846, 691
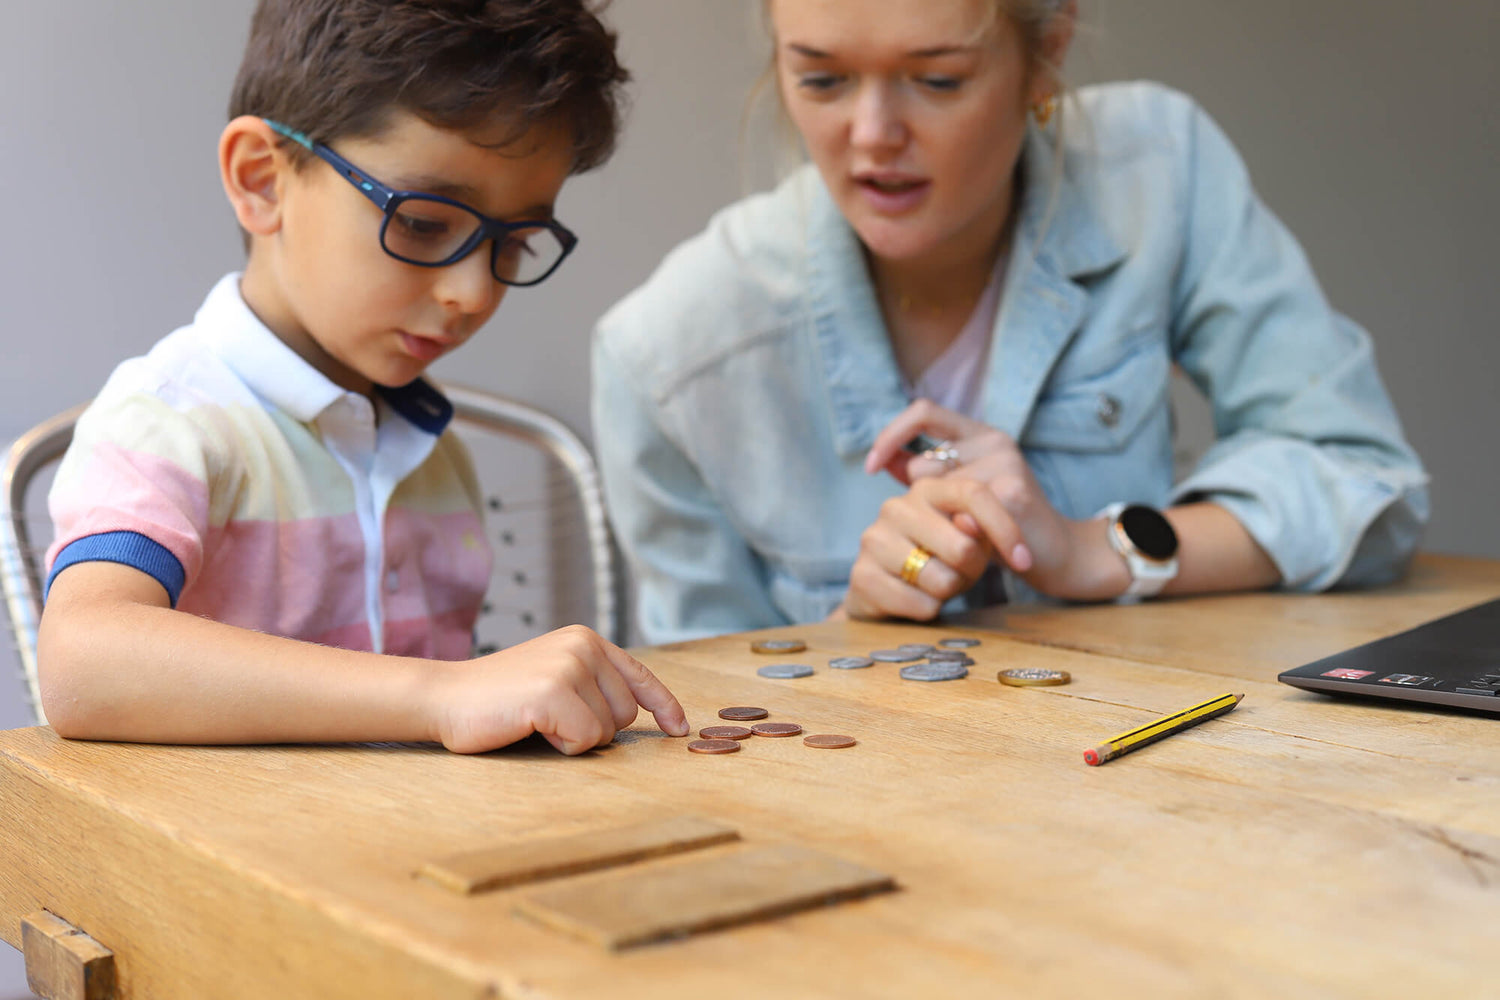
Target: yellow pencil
1165, 726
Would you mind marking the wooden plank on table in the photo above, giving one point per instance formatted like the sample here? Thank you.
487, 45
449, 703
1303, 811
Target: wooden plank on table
62, 962
549, 857
621, 909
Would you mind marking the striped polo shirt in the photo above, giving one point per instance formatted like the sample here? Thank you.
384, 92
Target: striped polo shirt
259, 493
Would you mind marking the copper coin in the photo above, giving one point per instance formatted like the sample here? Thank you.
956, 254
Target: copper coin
713, 746
742, 713
778, 646
776, 729
1033, 677
724, 733
828, 741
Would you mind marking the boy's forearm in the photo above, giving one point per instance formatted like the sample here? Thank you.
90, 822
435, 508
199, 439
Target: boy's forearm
153, 674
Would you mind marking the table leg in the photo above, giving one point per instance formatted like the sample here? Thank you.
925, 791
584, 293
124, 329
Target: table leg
62, 962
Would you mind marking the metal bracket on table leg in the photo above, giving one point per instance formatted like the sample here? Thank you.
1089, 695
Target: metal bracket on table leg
62, 962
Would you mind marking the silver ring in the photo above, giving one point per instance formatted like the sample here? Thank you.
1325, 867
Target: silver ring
944, 452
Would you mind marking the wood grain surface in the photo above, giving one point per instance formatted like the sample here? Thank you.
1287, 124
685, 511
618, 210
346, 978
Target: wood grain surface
538, 858
1301, 846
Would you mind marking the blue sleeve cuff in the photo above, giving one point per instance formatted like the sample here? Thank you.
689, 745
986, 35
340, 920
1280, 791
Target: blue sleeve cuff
129, 548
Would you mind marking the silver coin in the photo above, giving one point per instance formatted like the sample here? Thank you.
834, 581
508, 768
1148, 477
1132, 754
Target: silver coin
850, 662
951, 656
785, 671
958, 643
894, 656
934, 672
920, 648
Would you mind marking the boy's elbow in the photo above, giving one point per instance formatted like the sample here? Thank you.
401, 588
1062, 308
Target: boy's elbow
62, 682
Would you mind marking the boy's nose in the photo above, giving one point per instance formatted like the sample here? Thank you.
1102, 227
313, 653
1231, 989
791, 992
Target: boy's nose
469, 286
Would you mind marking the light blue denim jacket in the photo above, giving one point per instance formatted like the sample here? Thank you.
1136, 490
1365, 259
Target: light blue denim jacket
737, 391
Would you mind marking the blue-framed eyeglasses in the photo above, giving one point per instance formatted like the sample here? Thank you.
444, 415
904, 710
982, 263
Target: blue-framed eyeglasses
432, 231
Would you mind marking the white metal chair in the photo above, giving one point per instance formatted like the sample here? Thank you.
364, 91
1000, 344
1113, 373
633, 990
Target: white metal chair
555, 562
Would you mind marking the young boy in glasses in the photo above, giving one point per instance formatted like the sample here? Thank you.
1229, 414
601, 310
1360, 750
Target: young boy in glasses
264, 531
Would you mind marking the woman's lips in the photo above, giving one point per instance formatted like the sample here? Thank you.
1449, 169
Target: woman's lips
892, 195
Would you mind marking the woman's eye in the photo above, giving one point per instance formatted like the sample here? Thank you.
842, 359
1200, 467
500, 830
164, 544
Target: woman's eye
819, 82
943, 84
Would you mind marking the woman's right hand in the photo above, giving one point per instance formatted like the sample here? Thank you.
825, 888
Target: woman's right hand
957, 522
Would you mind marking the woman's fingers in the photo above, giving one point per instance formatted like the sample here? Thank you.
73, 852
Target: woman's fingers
921, 417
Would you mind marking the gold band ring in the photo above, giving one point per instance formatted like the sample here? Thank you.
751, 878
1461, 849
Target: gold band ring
915, 560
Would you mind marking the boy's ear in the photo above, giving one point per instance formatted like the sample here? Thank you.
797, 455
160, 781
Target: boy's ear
252, 167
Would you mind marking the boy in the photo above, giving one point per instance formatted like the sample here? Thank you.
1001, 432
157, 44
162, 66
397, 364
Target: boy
263, 532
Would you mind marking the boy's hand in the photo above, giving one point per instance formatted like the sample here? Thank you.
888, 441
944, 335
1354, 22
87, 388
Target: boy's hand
573, 686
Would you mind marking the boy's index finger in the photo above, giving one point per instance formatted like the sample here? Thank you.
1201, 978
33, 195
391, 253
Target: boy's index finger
649, 691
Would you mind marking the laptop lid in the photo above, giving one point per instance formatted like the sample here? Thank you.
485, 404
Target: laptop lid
1453, 660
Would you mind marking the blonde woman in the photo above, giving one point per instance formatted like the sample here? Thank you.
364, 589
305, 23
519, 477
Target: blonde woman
964, 265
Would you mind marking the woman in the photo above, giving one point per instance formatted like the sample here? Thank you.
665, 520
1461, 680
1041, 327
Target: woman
1031, 288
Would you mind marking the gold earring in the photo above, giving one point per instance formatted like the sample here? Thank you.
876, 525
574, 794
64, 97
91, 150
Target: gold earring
1044, 110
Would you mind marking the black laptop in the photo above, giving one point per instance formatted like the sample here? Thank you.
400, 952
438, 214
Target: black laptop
1450, 661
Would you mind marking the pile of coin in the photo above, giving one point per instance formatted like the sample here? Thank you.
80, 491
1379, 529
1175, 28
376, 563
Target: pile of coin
726, 739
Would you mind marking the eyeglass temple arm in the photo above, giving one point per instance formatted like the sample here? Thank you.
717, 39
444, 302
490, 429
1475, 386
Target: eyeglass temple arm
377, 193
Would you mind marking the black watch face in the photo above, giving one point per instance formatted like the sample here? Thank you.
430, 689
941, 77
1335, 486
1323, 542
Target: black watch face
1150, 532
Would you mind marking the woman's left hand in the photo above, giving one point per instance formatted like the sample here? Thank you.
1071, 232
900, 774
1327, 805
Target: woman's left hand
1069, 559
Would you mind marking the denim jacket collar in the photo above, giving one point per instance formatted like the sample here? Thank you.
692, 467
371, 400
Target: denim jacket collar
1059, 238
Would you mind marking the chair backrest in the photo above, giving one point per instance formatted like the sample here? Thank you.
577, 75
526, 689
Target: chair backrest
20, 552
555, 561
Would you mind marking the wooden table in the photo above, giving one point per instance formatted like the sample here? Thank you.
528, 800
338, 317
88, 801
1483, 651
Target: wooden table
1301, 846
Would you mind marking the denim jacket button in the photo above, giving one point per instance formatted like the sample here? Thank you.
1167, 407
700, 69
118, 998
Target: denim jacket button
1108, 410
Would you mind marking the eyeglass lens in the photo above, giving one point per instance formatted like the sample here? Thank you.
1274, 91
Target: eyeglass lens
433, 232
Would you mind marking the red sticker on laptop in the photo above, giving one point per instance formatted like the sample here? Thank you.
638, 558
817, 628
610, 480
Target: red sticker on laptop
1348, 674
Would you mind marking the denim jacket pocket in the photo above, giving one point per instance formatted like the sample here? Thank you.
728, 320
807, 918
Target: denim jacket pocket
1101, 409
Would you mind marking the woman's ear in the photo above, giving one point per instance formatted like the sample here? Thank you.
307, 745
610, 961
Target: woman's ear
1057, 38
252, 168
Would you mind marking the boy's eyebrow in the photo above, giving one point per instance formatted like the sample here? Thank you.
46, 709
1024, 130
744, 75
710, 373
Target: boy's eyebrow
929, 53
429, 184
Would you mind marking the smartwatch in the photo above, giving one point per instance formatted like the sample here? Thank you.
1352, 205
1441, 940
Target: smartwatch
1145, 540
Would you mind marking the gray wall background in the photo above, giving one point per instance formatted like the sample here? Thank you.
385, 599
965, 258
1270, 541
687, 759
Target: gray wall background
1369, 126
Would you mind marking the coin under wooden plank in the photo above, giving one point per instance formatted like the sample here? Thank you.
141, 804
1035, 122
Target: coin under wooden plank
742, 713
934, 672
959, 642
894, 656
713, 746
776, 729
774, 646
828, 741
535, 858
851, 662
724, 733
785, 671
1033, 677
674, 898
